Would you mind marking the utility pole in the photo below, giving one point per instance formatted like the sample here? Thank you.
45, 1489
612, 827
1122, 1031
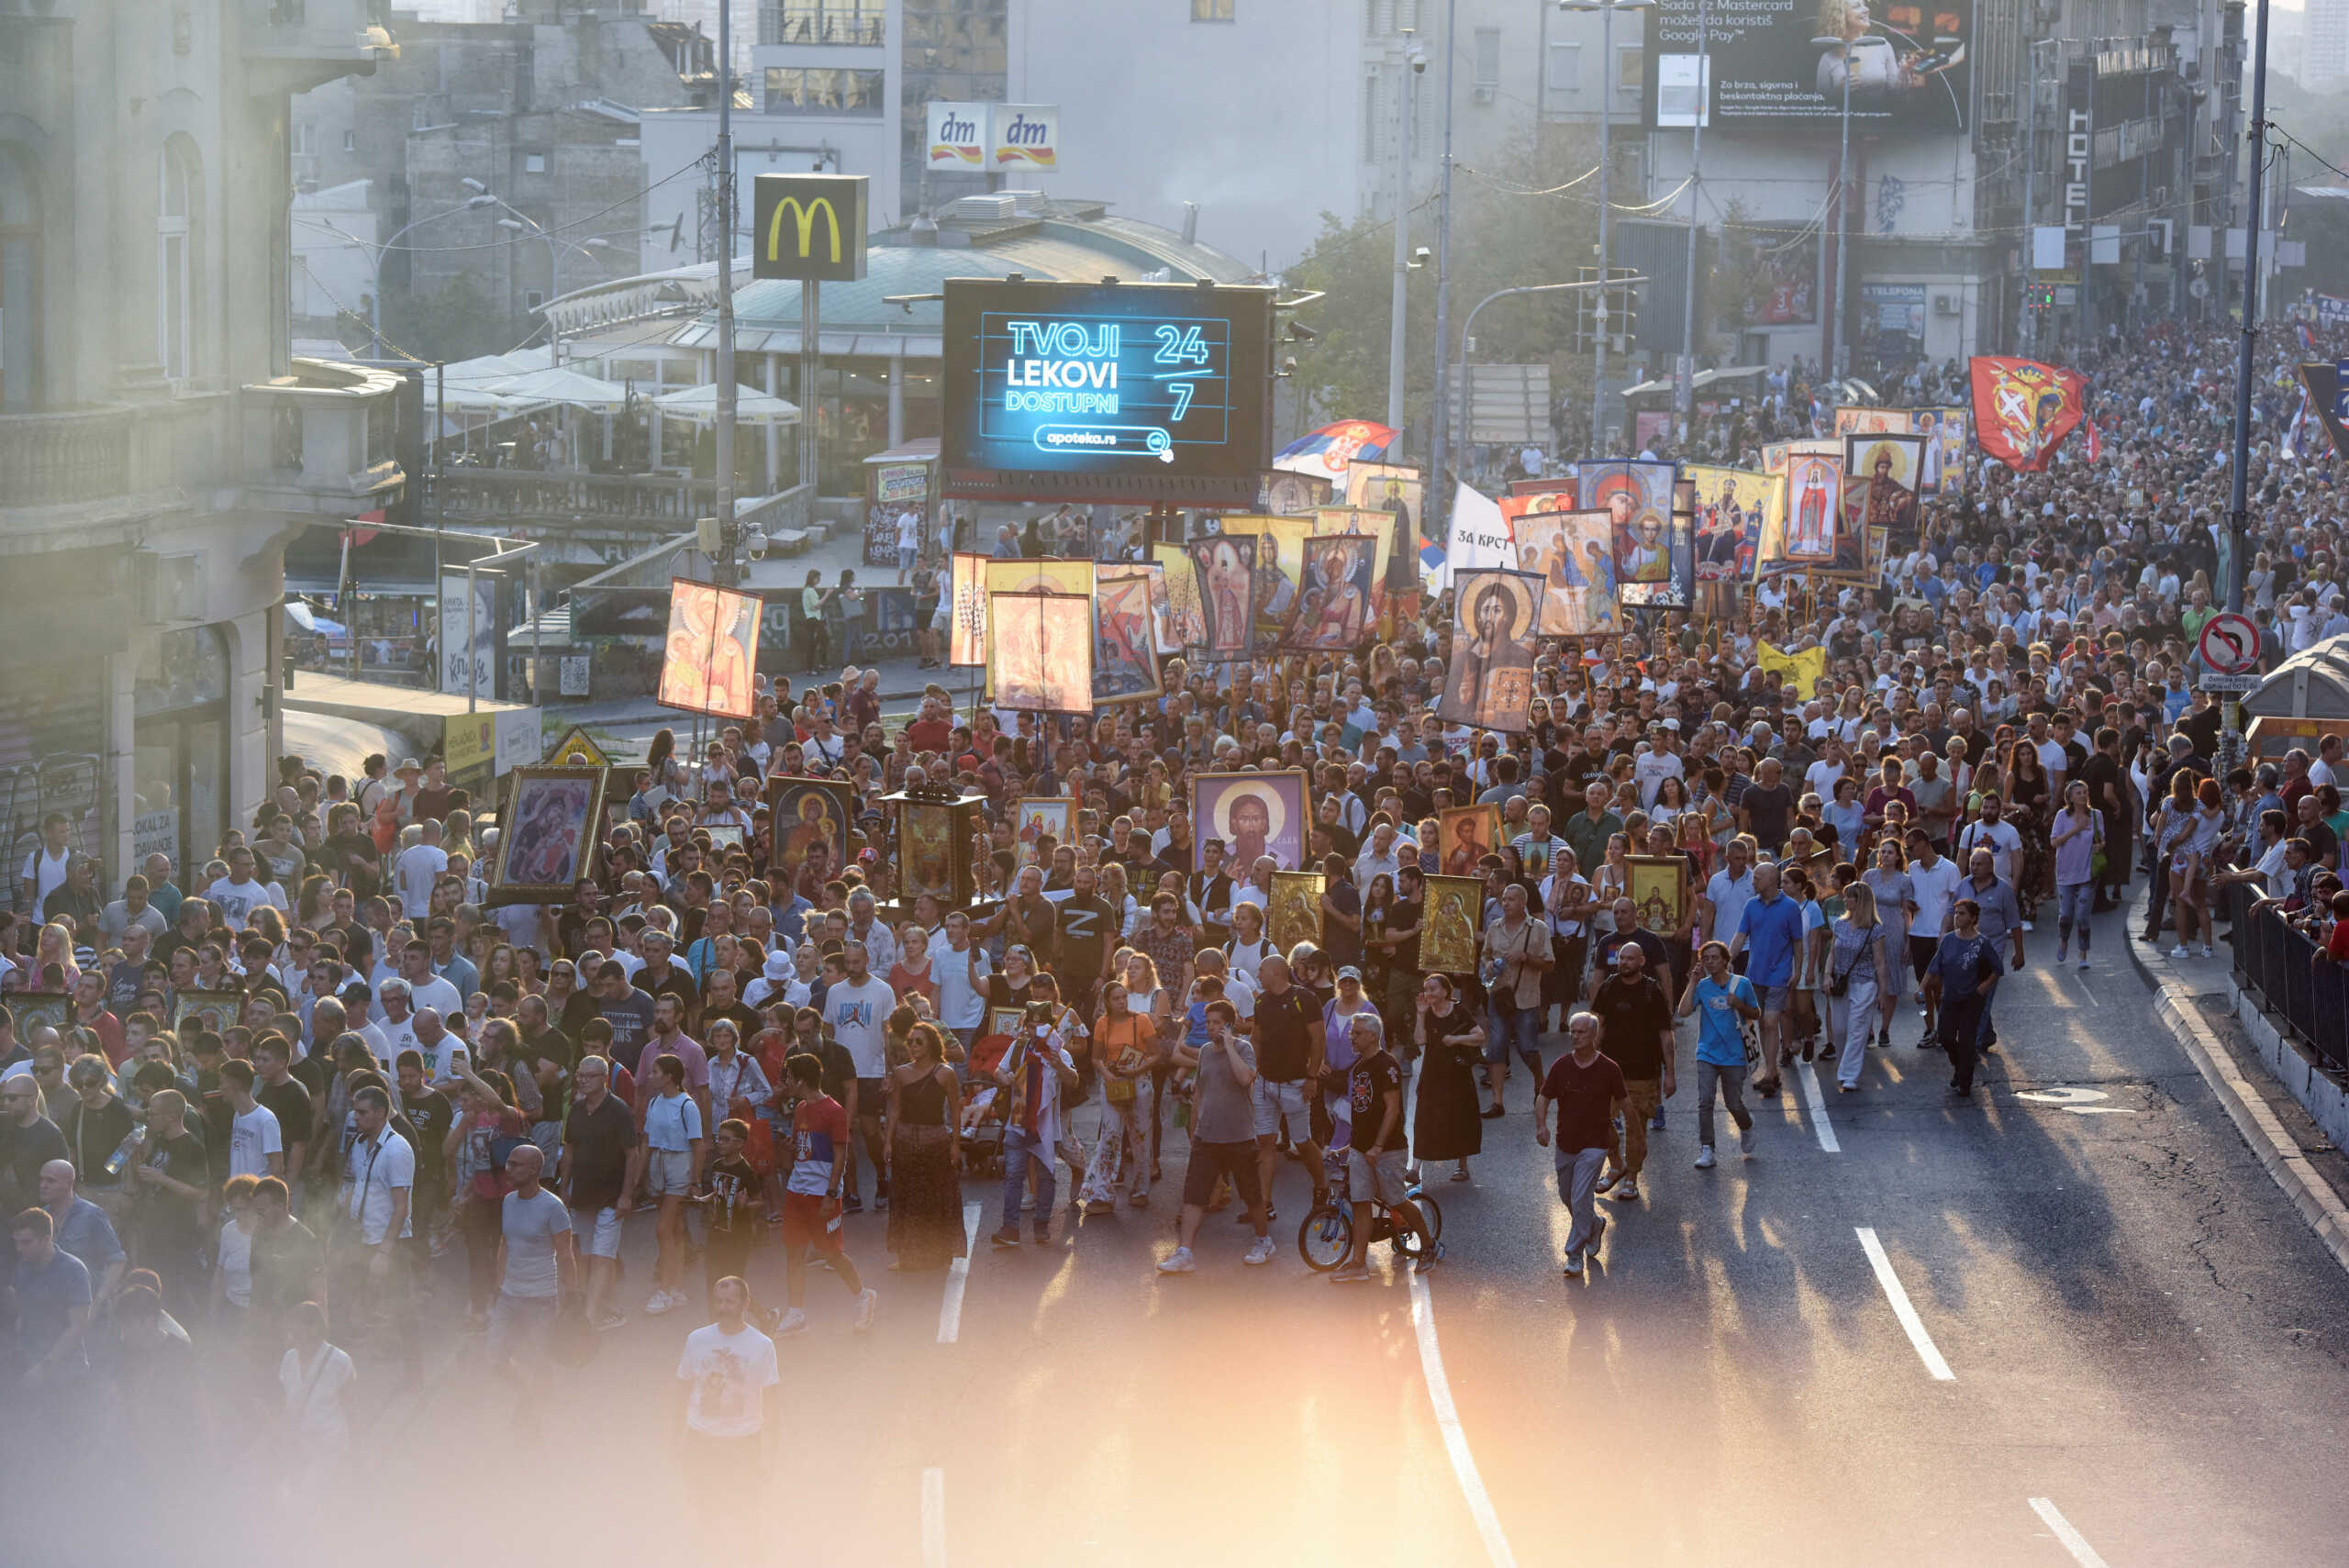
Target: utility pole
2238, 469
1683, 391
2029, 212
1436, 496
1595, 446
1403, 74
1843, 226
723, 568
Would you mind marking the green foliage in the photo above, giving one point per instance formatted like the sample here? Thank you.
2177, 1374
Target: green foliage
1500, 238
457, 323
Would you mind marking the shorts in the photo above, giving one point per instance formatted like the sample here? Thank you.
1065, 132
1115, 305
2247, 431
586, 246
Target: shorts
905, 558
872, 1098
1210, 1160
668, 1173
1773, 999
1380, 1179
520, 1328
597, 1231
1920, 954
1273, 1101
804, 1224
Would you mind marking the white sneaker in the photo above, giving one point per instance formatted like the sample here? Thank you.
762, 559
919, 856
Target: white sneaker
2206, 953
1746, 1143
1573, 1265
1178, 1261
2026, 925
1705, 1157
2083, 964
1262, 1252
660, 1302
794, 1321
866, 1302
2179, 951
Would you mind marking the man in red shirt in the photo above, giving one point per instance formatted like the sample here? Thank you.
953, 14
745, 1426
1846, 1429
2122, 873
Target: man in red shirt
1588, 1089
930, 732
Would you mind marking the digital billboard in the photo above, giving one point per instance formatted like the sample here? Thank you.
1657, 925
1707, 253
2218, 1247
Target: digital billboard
1123, 393
1784, 63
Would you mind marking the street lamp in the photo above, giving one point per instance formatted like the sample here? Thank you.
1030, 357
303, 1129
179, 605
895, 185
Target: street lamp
1684, 390
375, 300
1405, 66
1607, 10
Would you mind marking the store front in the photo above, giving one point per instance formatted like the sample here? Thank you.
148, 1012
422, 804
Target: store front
180, 771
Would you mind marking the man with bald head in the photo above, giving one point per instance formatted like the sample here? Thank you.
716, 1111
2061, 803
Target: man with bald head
82, 1228
536, 1262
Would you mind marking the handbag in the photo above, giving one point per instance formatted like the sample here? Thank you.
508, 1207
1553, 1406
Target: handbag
1840, 984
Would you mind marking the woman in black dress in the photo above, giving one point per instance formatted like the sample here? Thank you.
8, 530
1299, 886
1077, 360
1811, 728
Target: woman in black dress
925, 1156
1449, 1033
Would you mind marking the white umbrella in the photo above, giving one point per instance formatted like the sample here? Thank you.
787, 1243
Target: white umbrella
751, 407
563, 386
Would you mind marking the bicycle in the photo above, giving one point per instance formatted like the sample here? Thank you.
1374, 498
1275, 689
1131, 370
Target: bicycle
1325, 1238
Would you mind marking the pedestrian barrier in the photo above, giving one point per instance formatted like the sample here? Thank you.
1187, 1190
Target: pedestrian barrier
2307, 994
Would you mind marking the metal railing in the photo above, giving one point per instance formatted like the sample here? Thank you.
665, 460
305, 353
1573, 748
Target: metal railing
523, 496
2306, 993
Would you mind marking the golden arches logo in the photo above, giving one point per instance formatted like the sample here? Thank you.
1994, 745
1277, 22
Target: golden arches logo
804, 216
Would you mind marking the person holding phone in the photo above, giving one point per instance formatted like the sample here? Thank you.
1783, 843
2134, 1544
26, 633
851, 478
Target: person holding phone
1223, 1135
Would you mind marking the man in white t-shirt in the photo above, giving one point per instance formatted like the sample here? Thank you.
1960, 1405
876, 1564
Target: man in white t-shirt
256, 1143
238, 895
857, 1008
393, 1029
961, 968
728, 1369
417, 868
1933, 880
426, 989
1997, 835
43, 872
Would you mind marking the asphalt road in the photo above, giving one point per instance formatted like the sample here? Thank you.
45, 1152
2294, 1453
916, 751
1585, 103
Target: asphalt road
2144, 1346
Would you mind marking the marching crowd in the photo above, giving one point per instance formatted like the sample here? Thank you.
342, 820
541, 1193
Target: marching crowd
247, 1100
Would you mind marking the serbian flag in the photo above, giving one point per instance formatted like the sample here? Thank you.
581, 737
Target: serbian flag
1327, 452
2022, 409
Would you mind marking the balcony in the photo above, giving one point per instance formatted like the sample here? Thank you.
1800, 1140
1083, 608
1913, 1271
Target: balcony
318, 443
293, 45
66, 474
50, 459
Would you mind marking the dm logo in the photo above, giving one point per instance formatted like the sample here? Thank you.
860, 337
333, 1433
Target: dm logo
955, 139
1027, 138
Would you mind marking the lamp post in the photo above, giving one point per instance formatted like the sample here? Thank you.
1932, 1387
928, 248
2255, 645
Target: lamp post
1684, 390
1468, 330
1844, 225
1606, 9
1440, 423
1403, 67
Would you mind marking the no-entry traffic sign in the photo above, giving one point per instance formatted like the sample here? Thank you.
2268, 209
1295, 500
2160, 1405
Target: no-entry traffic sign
2229, 644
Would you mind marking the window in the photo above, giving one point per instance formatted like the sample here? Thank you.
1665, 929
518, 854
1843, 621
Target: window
19, 283
1211, 10
306, 139
1562, 87
1629, 68
823, 92
1488, 64
533, 299
178, 237
854, 22
534, 164
351, 141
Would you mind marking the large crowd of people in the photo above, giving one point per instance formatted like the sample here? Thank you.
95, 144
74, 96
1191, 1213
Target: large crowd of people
248, 1099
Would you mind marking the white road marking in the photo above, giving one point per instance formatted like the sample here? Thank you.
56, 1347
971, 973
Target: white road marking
958, 1274
933, 1518
2063, 1094
1447, 1420
2074, 1541
1911, 1323
1819, 1122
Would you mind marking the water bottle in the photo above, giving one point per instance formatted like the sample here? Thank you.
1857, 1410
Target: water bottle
120, 1161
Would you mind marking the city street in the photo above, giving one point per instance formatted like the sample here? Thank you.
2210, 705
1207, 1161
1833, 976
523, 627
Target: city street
2120, 1345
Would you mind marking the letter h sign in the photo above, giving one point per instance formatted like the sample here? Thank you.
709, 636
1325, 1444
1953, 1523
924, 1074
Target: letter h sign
808, 227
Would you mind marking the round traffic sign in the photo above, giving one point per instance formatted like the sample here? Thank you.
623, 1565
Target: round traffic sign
2229, 644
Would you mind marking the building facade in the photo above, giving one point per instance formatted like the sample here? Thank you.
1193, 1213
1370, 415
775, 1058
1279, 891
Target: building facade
159, 443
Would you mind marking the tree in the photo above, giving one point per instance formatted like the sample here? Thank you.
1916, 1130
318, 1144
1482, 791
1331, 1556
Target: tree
457, 323
1533, 220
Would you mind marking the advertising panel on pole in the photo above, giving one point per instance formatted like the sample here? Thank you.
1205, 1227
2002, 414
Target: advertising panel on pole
1023, 138
808, 227
1908, 64
1119, 393
956, 137
468, 645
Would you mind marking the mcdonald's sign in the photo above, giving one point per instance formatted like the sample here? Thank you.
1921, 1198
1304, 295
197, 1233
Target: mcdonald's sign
808, 227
